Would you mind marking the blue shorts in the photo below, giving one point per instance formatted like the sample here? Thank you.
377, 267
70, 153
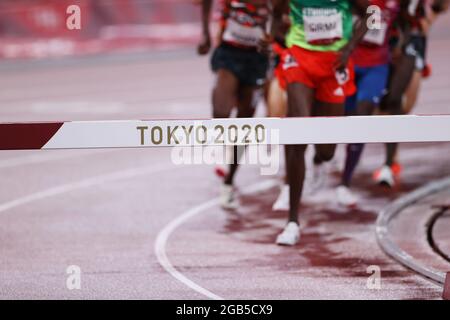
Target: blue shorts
371, 84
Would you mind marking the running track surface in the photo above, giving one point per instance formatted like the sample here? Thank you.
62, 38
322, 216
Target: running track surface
103, 210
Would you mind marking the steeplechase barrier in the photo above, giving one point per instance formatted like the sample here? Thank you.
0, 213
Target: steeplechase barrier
245, 131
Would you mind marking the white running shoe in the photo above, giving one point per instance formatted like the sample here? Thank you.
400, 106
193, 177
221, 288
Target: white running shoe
316, 180
282, 202
227, 198
345, 196
336, 165
385, 177
290, 235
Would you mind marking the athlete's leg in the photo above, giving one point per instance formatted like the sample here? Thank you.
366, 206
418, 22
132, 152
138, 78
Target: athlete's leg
277, 108
246, 109
354, 150
410, 99
225, 97
412, 92
225, 94
397, 88
300, 100
325, 152
358, 104
276, 100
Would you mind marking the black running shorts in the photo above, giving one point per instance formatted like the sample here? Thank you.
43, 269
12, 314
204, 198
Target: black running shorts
249, 66
417, 47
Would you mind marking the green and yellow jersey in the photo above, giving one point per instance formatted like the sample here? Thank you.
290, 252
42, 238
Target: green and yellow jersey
320, 25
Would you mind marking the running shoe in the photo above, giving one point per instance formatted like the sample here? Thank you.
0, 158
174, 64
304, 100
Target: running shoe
396, 169
290, 235
427, 71
221, 171
345, 196
227, 198
336, 165
282, 202
385, 176
315, 181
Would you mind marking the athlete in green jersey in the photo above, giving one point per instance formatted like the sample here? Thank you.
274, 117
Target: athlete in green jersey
315, 19
319, 77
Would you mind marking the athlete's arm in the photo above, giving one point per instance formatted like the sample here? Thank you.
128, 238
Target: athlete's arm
205, 44
360, 29
403, 22
396, 50
280, 8
440, 6
432, 11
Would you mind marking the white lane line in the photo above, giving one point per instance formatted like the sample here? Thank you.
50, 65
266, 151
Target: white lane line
47, 155
160, 248
78, 107
165, 233
86, 183
34, 158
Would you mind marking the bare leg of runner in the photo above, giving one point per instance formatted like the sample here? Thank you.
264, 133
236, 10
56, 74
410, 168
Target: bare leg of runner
412, 92
225, 94
276, 100
225, 97
354, 150
246, 109
399, 83
300, 100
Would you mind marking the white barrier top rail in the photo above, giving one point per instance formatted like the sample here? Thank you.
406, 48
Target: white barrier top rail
246, 131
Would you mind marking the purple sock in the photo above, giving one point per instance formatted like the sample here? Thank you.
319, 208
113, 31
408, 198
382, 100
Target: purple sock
354, 152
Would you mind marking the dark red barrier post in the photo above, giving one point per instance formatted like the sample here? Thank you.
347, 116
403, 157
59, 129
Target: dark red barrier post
446, 294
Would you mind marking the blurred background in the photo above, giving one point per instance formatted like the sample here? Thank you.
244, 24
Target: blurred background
37, 28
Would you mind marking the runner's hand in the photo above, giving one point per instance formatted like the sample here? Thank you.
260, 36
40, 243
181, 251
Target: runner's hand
265, 45
342, 60
204, 45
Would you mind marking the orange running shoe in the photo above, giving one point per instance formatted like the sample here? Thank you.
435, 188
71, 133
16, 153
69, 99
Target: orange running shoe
427, 71
396, 169
221, 171
388, 175
384, 176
